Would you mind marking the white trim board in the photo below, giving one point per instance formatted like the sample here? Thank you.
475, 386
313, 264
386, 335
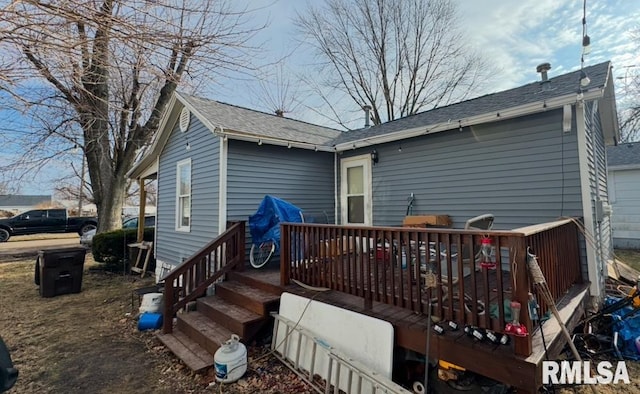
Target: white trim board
222, 185
587, 207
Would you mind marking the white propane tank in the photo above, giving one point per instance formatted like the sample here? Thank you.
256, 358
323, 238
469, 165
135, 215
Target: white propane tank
151, 303
230, 360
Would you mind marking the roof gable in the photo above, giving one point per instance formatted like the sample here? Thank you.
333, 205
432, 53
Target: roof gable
238, 121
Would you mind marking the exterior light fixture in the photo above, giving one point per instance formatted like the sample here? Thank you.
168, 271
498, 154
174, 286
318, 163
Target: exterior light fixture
259, 142
374, 156
400, 148
289, 145
584, 79
586, 44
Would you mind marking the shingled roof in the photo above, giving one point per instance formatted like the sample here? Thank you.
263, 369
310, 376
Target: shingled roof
562, 85
256, 123
23, 200
624, 155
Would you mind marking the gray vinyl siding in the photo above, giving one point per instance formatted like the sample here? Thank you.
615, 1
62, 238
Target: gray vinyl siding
302, 177
524, 171
174, 246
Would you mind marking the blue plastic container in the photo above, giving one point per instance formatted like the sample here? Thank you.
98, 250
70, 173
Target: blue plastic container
150, 321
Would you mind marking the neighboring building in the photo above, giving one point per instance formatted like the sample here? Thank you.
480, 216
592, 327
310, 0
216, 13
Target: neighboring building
527, 155
624, 189
17, 203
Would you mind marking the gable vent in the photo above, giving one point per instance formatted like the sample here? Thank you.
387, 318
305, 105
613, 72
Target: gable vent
185, 118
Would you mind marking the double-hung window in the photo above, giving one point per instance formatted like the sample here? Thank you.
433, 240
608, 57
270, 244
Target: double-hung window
183, 195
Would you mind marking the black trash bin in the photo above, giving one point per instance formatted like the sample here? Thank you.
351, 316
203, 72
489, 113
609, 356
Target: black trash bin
59, 271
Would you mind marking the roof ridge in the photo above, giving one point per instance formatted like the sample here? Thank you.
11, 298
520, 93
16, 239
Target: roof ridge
484, 96
256, 111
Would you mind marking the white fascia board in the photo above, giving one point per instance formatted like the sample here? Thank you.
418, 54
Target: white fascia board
507, 113
157, 144
624, 167
272, 141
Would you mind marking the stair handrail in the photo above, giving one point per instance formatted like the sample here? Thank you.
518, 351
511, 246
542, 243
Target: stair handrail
189, 280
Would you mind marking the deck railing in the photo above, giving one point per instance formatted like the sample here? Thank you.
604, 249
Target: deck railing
190, 279
557, 247
418, 268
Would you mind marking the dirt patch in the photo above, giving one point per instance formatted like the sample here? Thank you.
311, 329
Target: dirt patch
89, 342
40, 237
86, 343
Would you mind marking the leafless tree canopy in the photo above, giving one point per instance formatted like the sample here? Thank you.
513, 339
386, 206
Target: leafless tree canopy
398, 56
630, 114
629, 103
98, 74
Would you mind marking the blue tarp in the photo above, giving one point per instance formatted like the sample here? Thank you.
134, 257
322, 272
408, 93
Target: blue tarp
628, 329
264, 225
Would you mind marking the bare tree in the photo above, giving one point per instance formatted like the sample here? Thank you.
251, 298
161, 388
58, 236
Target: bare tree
277, 90
98, 75
397, 56
629, 103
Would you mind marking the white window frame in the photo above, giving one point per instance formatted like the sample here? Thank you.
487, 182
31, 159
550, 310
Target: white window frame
179, 165
357, 161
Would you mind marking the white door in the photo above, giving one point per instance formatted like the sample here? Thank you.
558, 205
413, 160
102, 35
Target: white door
355, 190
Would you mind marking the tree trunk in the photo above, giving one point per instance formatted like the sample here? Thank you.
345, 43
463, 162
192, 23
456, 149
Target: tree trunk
110, 205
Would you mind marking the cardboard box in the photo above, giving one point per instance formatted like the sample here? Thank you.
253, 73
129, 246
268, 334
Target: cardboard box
336, 248
427, 221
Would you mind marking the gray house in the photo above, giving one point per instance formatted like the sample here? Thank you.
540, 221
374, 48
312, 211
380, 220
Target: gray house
527, 155
624, 188
16, 203
215, 162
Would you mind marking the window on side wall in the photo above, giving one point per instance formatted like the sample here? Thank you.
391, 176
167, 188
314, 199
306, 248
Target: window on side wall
183, 195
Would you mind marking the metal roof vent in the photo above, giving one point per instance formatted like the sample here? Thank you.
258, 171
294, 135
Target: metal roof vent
542, 69
367, 115
185, 118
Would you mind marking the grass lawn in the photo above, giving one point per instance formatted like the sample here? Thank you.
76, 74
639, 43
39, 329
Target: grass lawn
630, 257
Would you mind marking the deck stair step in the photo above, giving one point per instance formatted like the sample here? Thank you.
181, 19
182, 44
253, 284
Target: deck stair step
186, 349
253, 299
258, 282
233, 317
204, 331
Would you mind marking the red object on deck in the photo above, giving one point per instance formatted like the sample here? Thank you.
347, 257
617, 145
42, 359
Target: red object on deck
486, 248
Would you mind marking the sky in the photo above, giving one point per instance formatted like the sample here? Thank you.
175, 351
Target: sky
515, 35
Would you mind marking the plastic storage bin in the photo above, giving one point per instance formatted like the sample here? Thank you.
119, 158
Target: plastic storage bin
59, 271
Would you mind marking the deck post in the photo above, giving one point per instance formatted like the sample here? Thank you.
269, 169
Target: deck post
285, 254
167, 322
522, 345
240, 251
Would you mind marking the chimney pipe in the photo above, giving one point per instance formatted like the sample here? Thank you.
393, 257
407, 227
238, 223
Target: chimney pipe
542, 69
367, 109
279, 113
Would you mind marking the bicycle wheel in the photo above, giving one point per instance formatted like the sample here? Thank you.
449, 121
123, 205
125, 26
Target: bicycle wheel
260, 254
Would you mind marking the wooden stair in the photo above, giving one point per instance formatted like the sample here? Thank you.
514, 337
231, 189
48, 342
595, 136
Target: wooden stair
241, 306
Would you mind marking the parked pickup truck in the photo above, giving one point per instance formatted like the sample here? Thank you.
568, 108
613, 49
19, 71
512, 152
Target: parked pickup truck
45, 221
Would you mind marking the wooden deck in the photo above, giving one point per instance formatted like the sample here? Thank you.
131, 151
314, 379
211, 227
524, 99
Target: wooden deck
494, 361
381, 272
